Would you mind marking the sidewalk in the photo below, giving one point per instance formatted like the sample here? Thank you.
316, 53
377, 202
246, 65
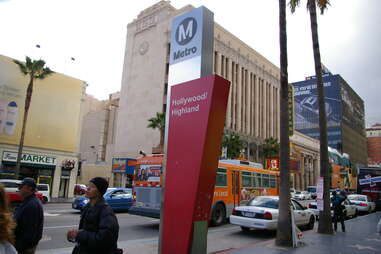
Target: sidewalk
360, 237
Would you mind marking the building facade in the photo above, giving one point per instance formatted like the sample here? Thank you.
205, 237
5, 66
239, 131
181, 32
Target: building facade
304, 161
253, 105
98, 138
51, 144
373, 136
345, 115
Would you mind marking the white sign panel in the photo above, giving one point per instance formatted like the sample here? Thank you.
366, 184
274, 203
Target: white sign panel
320, 188
30, 158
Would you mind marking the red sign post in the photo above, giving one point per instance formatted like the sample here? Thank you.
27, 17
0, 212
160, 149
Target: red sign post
197, 116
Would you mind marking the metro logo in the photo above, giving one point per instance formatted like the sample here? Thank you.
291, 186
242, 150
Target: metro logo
186, 31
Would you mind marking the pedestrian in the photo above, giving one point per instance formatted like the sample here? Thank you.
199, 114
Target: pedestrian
338, 208
6, 225
98, 228
29, 218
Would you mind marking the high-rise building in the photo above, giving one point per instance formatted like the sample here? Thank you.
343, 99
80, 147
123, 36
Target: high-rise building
344, 111
373, 136
253, 105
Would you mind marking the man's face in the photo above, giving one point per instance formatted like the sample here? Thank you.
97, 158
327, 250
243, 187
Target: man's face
25, 190
92, 191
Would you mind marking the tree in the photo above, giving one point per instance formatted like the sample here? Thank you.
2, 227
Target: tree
35, 69
158, 122
233, 144
284, 230
270, 148
325, 219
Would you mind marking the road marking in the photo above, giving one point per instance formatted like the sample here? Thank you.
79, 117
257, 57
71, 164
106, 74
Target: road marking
45, 238
70, 226
50, 214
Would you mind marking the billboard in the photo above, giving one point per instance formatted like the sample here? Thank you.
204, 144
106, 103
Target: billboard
123, 165
54, 113
306, 108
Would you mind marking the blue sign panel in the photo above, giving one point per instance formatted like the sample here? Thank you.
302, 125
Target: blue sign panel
123, 165
307, 108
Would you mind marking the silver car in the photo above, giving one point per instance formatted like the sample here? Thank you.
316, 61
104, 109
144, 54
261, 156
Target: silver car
362, 202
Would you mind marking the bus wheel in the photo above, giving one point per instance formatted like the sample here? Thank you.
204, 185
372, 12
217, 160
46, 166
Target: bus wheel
218, 215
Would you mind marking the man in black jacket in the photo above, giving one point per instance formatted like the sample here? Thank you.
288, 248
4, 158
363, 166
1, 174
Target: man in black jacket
98, 227
29, 219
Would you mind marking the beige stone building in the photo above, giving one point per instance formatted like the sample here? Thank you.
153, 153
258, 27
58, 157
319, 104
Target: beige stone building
305, 161
253, 106
99, 120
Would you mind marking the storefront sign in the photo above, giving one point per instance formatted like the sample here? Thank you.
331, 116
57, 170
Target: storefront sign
30, 158
123, 165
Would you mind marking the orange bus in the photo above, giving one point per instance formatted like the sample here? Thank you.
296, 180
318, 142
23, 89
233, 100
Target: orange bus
236, 182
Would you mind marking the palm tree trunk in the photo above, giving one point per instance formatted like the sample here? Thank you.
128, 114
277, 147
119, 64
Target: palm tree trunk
284, 236
28, 98
325, 221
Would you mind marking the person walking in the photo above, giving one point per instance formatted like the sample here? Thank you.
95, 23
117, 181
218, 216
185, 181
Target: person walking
98, 227
29, 218
338, 208
6, 225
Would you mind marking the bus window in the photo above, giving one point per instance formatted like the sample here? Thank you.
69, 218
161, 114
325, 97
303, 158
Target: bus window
221, 178
265, 181
246, 179
272, 181
258, 180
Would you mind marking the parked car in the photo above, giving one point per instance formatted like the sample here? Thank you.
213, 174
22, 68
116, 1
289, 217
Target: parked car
302, 195
362, 202
44, 189
312, 190
12, 190
262, 212
350, 210
120, 199
79, 189
11, 185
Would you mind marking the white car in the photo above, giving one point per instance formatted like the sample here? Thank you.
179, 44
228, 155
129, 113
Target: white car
302, 195
262, 213
44, 189
10, 185
350, 210
362, 202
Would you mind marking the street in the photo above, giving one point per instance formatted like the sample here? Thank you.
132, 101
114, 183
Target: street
134, 230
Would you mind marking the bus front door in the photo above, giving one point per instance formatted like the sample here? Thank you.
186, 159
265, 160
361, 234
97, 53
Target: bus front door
236, 188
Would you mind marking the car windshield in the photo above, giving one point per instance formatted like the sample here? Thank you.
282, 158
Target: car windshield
265, 202
42, 187
357, 198
311, 189
297, 192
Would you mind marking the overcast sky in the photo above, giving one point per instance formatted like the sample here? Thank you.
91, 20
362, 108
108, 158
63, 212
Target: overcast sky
94, 32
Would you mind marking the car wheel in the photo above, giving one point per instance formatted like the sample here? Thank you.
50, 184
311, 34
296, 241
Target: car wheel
44, 200
311, 223
356, 213
245, 229
218, 215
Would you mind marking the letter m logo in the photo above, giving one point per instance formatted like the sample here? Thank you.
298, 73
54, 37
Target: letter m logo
186, 31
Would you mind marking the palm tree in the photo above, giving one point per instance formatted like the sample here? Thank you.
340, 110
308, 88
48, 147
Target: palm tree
270, 149
284, 236
158, 122
35, 69
325, 221
233, 144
